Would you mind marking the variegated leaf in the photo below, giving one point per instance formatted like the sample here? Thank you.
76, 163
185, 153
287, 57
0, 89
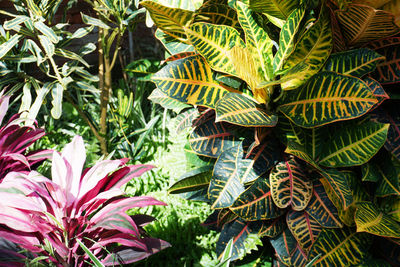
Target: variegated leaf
300, 152
185, 119
284, 245
211, 138
287, 36
257, 40
354, 145
217, 13
304, 228
191, 181
157, 96
372, 220
278, 8
340, 247
241, 110
321, 208
190, 80
377, 90
272, 228
290, 186
173, 45
361, 24
214, 42
179, 56
327, 97
357, 62
336, 182
225, 186
171, 20
311, 52
256, 202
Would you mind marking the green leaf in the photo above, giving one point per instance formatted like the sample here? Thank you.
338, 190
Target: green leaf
336, 182
354, 145
81, 32
185, 119
287, 36
371, 220
388, 181
217, 13
277, 8
211, 138
289, 185
71, 55
284, 245
96, 261
194, 180
257, 40
214, 42
171, 20
11, 24
46, 31
377, 90
157, 96
94, 22
304, 228
172, 44
321, 208
311, 52
361, 24
299, 151
34, 8
327, 97
226, 255
190, 80
272, 228
225, 186
57, 94
47, 45
357, 62
241, 110
340, 247
256, 202
7, 46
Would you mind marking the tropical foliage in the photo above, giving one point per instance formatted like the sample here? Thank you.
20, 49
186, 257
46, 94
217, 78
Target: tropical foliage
53, 218
294, 128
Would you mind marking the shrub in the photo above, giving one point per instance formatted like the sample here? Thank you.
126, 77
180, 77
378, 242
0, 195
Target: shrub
289, 123
49, 217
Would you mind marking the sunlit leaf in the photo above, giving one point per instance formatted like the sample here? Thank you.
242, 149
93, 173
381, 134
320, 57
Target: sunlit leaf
191, 181
280, 8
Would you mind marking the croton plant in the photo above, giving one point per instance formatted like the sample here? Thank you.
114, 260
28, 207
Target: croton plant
294, 125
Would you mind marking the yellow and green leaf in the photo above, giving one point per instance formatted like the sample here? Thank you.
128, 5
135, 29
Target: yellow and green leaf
217, 13
157, 96
190, 80
225, 186
194, 180
354, 145
173, 45
337, 183
284, 245
171, 20
290, 186
257, 41
372, 220
304, 228
312, 50
214, 42
340, 247
321, 208
361, 24
241, 110
287, 36
299, 151
256, 202
377, 90
357, 62
327, 97
272, 228
277, 8
210, 139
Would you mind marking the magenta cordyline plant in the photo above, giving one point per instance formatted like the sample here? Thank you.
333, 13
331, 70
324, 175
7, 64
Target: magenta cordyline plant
14, 140
48, 217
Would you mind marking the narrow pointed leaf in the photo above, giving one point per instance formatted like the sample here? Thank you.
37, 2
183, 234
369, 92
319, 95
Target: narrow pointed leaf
210, 139
278, 8
257, 40
340, 247
357, 62
256, 202
225, 184
214, 42
387, 71
354, 145
7, 46
327, 97
241, 110
304, 228
289, 185
371, 220
361, 23
322, 209
311, 52
287, 36
194, 180
170, 20
190, 80
46, 31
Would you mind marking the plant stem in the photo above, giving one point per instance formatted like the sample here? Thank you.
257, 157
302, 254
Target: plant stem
103, 95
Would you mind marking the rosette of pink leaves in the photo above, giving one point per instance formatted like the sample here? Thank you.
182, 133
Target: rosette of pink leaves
14, 140
47, 217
